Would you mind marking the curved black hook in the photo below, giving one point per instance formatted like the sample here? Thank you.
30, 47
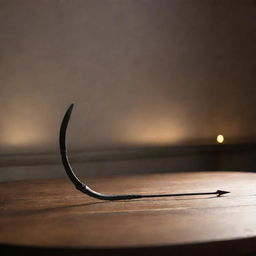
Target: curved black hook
85, 189
78, 184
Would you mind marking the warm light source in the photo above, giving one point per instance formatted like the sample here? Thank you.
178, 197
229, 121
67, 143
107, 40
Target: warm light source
220, 138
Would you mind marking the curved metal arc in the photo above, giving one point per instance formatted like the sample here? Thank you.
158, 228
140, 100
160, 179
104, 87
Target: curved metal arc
63, 148
85, 189
64, 156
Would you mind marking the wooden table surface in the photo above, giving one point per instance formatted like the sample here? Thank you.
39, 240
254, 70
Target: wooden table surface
51, 217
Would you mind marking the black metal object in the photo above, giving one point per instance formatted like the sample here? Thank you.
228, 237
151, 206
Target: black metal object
85, 189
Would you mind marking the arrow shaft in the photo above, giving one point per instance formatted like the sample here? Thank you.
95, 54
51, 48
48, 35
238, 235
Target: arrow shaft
182, 194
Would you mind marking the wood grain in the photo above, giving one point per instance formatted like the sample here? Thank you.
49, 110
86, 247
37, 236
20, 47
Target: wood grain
51, 215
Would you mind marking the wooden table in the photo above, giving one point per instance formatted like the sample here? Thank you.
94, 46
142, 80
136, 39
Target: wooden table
50, 217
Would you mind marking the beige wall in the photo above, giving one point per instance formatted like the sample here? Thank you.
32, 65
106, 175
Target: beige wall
141, 72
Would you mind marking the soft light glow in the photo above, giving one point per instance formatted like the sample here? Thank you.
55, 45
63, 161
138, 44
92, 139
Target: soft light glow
160, 133
220, 138
20, 131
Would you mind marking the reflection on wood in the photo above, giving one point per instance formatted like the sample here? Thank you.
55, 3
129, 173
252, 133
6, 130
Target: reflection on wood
51, 214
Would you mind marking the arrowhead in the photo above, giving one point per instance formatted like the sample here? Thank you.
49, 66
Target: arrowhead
221, 192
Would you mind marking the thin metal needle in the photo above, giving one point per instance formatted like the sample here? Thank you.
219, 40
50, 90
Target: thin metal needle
85, 189
217, 193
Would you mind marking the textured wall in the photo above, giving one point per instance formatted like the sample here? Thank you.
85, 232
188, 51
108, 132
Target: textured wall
141, 72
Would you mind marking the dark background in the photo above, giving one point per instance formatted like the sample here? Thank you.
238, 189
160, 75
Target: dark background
153, 82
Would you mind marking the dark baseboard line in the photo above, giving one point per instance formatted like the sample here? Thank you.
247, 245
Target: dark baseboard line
218, 151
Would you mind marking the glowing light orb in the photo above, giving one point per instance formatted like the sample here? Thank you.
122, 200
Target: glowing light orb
220, 138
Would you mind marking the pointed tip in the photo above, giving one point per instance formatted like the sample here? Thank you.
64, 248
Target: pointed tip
222, 192
65, 120
70, 109
71, 106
